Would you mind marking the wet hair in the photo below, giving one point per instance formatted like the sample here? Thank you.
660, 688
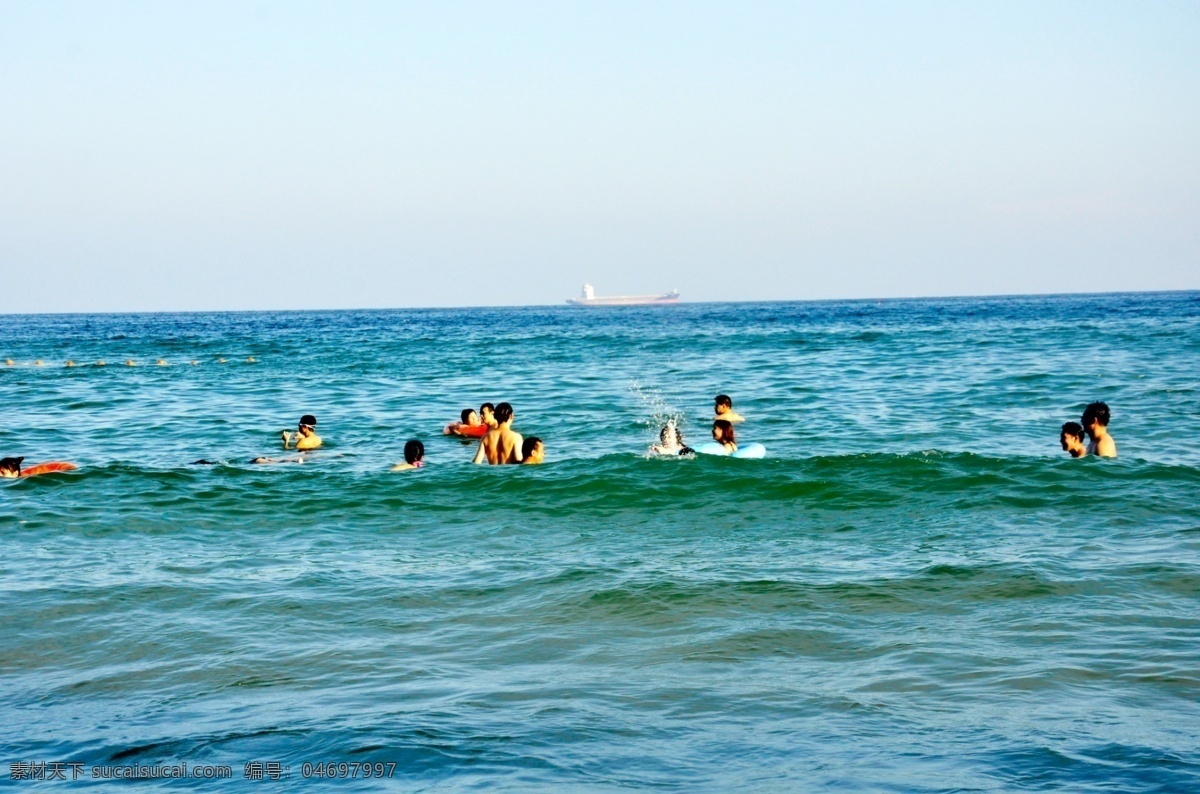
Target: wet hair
487, 407
723, 399
413, 451
1071, 429
1095, 412
663, 434
308, 419
13, 464
466, 414
529, 445
503, 412
726, 429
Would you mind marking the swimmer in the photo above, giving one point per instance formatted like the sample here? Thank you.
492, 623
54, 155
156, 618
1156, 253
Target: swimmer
10, 468
533, 451
1095, 422
487, 415
1071, 438
500, 444
8, 362
130, 363
723, 434
723, 408
100, 363
671, 441
414, 456
305, 437
162, 362
70, 363
469, 419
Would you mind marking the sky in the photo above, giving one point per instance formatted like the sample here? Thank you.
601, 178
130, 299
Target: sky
270, 155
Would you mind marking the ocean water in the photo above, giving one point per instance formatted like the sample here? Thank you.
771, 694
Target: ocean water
915, 591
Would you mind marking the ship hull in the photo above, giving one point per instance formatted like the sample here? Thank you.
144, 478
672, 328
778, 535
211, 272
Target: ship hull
627, 300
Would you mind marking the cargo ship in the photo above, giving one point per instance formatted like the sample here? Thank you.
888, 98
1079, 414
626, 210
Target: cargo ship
588, 298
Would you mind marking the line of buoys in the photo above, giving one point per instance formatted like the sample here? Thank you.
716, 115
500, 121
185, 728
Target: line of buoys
162, 362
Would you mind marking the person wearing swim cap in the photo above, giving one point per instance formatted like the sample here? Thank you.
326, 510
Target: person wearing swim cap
533, 451
305, 437
723, 409
414, 456
1071, 439
722, 433
500, 444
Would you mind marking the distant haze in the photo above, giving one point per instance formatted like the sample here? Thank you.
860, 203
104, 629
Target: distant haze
164, 156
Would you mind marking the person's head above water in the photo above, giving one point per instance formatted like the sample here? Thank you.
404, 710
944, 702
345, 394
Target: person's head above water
10, 467
504, 413
533, 450
1095, 414
487, 414
722, 403
1071, 439
414, 452
723, 432
670, 435
308, 424
469, 417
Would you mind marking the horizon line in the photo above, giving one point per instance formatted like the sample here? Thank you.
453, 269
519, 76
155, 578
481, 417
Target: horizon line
565, 305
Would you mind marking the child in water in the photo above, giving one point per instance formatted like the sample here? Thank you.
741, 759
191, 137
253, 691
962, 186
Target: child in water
533, 451
722, 433
671, 441
414, 456
1071, 438
470, 426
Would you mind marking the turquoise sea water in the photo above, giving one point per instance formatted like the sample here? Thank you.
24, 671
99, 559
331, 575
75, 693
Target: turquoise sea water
915, 591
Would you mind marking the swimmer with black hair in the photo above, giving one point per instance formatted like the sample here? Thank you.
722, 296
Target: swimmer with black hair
11, 469
1071, 439
723, 434
533, 451
1095, 421
671, 441
487, 415
414, 456
305, 437
500, 444
723, 409
470, 425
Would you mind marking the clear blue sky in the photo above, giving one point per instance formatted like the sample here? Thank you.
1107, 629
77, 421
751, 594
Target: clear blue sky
257, 155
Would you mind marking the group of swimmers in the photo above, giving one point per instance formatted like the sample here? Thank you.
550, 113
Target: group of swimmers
1094, 423
491, 424
162, 362
724, 418
499, 444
